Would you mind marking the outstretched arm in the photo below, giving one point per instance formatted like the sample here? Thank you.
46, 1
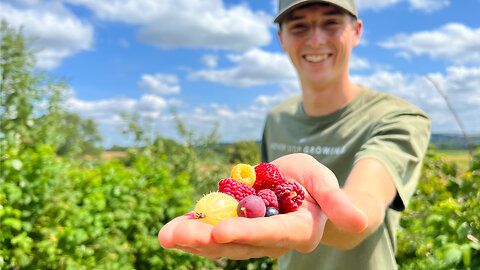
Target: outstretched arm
371, 188
242, 238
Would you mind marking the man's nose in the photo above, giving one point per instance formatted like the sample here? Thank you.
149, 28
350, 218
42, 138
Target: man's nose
316, 37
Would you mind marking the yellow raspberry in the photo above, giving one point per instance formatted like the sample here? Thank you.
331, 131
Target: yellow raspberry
243, 173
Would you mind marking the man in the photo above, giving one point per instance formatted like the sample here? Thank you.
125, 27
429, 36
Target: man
360, 157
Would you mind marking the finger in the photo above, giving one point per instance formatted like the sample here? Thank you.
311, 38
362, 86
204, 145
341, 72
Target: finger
342, 212
185, 231
234, 251
301, 230
192, 233
165, 236
322, 185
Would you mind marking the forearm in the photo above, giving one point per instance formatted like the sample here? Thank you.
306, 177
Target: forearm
373, 208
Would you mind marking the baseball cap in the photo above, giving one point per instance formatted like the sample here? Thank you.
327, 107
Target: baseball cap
286, 6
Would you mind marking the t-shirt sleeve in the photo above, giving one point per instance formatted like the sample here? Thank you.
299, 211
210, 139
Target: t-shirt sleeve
399, 141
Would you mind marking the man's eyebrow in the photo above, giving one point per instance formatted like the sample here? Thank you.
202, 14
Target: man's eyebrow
295, 17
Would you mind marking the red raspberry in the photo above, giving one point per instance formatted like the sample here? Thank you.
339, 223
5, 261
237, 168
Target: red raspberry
267, 177
235, 189
290, 196
269, 197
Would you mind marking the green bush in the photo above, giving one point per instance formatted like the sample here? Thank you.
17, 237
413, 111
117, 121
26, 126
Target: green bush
441, 227
61, 215
243, 152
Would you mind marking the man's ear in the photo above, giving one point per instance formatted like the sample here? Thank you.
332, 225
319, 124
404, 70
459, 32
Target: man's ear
357, 33
279, 35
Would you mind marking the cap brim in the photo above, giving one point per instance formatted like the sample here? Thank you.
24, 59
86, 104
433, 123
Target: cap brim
298, 4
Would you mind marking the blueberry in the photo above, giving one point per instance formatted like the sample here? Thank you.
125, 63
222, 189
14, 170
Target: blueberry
271, 211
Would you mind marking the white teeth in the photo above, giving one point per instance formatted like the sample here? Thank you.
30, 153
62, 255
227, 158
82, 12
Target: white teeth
316, 58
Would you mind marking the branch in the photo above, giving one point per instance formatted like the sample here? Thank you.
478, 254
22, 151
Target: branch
457, 118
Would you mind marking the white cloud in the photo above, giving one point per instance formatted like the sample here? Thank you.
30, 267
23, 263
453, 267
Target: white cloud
108, 111
162, 84
246, 122
210, 60
56, 30
424, 5
188, 23
359, 63
242, 123
151, 104
429, 5
375, 4
453, 42
459, 84
254, 67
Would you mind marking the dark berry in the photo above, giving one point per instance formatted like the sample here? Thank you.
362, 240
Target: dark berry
251, 207
271, 211
290, 196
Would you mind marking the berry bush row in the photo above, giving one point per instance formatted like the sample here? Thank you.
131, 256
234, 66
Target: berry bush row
441, 227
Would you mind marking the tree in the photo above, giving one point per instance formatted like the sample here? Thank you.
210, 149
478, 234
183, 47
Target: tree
244, 152
31, 111
81, 136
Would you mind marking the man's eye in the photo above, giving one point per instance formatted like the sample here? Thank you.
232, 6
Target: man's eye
332, 22
298, 27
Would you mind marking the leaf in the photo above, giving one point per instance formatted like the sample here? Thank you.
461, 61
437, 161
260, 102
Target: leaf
17, 164
475, 245
13, 223
452, 254
462, 230
434, 219
452, 224
441, 240
466, 254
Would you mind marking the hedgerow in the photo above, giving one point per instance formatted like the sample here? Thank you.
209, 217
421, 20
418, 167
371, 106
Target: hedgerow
62, 215
441, 227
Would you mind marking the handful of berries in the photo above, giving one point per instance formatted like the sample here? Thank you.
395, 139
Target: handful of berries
251, 192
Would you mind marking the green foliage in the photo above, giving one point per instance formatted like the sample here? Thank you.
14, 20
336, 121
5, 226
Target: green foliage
28, 100
243, 152
61, 215
201, 159
31, 111
64, 214
82, 136
441, 228
196, 156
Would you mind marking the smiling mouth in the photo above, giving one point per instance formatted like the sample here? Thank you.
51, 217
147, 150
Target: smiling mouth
315, 58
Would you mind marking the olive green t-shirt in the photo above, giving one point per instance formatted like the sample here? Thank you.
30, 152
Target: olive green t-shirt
372, 125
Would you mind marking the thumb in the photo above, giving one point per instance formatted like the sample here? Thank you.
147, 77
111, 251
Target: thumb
342, 211
322, 184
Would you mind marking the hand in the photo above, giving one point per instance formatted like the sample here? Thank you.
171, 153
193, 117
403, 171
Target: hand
243, 238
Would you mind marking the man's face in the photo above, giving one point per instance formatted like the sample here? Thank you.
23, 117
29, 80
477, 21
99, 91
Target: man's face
319, 40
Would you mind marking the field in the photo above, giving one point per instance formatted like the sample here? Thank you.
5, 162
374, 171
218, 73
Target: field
460, 157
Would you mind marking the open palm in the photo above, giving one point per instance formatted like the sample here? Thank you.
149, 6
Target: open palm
243, 238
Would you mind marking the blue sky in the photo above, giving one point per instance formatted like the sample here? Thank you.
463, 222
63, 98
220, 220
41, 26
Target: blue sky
220, 61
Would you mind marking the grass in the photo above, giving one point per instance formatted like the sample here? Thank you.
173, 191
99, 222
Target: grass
459, 157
